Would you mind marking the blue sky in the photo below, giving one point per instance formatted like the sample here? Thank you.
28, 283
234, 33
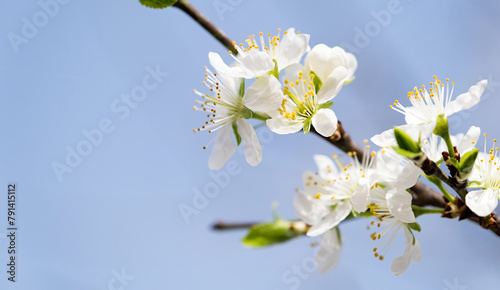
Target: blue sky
117, 213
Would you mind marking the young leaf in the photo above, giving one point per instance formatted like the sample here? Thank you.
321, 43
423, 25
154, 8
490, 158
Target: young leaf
158, 4
267, 234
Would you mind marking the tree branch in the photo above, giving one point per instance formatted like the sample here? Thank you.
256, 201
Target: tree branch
197, 16
422, 194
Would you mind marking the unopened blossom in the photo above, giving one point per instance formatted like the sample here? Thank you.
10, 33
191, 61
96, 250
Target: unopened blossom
227, 106
259, 56
486, 177
324, 61
302, 105
392, 208
332, 193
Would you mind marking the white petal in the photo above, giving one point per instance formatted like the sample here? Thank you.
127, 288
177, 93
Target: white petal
332, 84
256, 64
325, 122
291, 48
264, 95
415, 116
332, 220
328, 254
228, 75
251, 145
384, 139
279, 125
399, 204
326, 167
224, 148
467, 100
408, 176
468, 142
361, 197
482, 202
309, 209
400, 264
352, 65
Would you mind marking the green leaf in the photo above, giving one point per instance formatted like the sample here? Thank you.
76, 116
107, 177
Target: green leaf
415, 226
405, 142
267, 234
241, 92
468, 160
236, 134
406, 153
317, 83
307, 125
326, 105
158, 4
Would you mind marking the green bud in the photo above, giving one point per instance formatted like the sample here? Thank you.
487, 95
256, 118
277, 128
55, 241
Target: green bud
266, 234
442, 128
406, 143
158, 4
236, 133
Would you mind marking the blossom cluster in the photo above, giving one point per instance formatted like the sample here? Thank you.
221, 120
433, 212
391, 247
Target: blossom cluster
252, 88
267, 81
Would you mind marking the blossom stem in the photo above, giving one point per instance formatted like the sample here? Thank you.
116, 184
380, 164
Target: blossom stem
441, 187
189, 9
447, 140
418, 211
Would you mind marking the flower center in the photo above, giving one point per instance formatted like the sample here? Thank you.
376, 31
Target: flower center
302, 99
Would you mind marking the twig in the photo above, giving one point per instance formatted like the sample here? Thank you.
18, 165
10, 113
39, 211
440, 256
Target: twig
185, 6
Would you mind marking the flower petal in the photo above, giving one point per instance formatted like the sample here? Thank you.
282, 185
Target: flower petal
399, 204
309, 209
291, 48
468, 142
361, 197
332, 84
256, 64
467, 100
326, 168
251, 145
328, 254
482, 202
224, 148
412, 251
279, 125
264, 95
325, 122
340, 212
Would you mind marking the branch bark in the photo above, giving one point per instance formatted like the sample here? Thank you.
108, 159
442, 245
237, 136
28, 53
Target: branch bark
197, 16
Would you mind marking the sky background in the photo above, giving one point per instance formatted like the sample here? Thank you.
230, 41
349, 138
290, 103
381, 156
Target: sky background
118, 208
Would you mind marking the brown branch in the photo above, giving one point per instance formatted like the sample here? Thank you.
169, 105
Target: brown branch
231, 226
197, 16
